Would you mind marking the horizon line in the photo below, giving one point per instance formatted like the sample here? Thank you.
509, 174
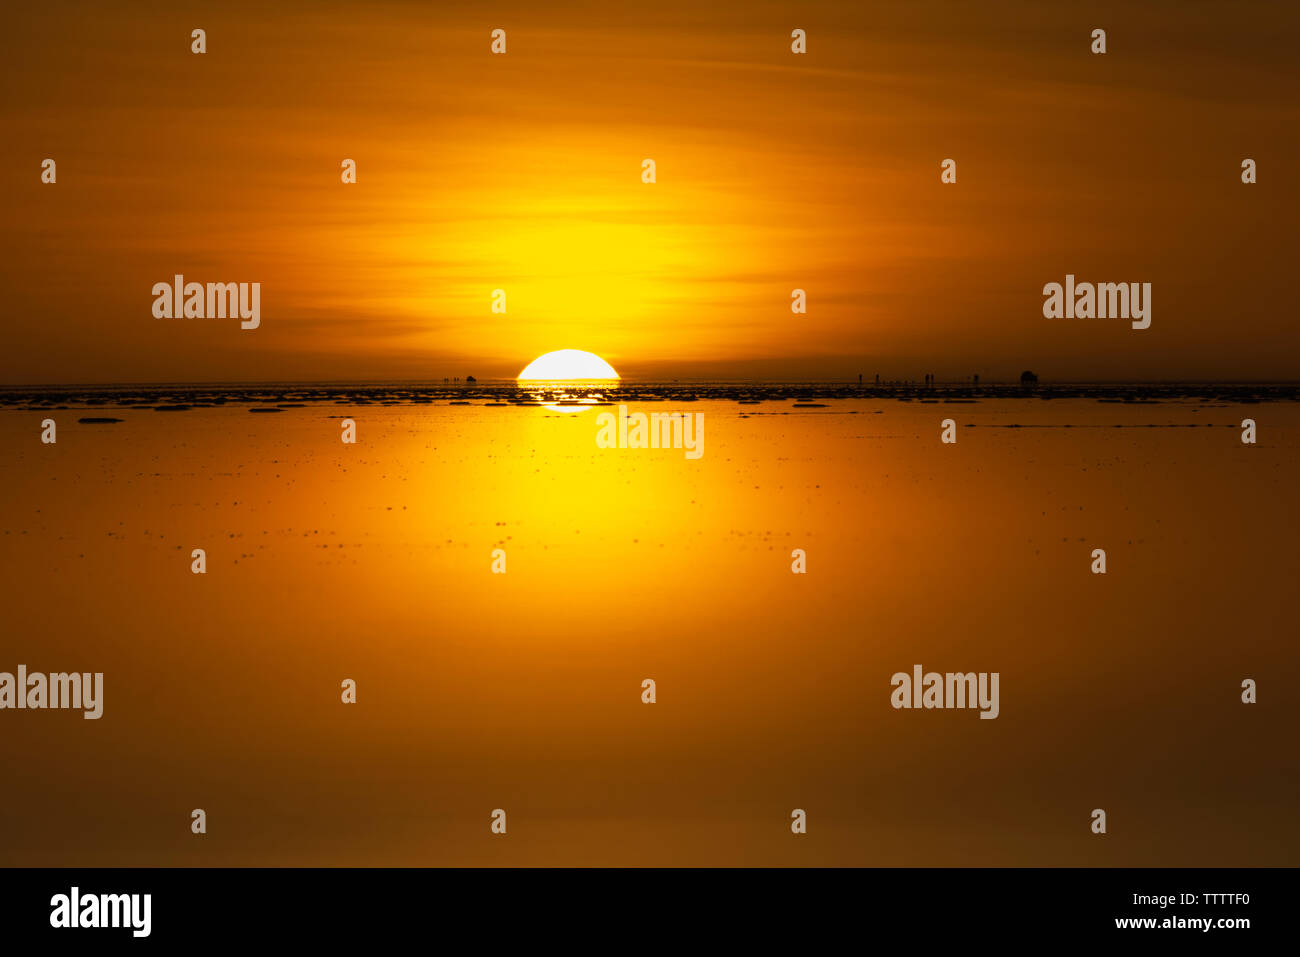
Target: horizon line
632, 380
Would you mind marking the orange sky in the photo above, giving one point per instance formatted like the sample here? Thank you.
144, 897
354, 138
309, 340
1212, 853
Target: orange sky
522, 172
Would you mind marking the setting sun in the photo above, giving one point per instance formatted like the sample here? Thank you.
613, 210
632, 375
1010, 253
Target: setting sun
568, 365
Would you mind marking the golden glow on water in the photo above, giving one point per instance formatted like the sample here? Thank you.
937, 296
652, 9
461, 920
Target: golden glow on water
567, 402
373, 562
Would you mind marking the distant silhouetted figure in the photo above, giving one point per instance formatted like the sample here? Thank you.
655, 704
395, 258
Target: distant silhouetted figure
877, 378
975, 379
859, 378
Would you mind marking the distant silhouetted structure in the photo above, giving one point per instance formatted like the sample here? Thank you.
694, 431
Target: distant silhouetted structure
470, 378
1028, 379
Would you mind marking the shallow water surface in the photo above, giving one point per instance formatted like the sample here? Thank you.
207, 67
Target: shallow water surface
522, 691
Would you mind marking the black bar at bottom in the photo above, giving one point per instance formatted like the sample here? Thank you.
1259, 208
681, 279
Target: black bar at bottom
664, 908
